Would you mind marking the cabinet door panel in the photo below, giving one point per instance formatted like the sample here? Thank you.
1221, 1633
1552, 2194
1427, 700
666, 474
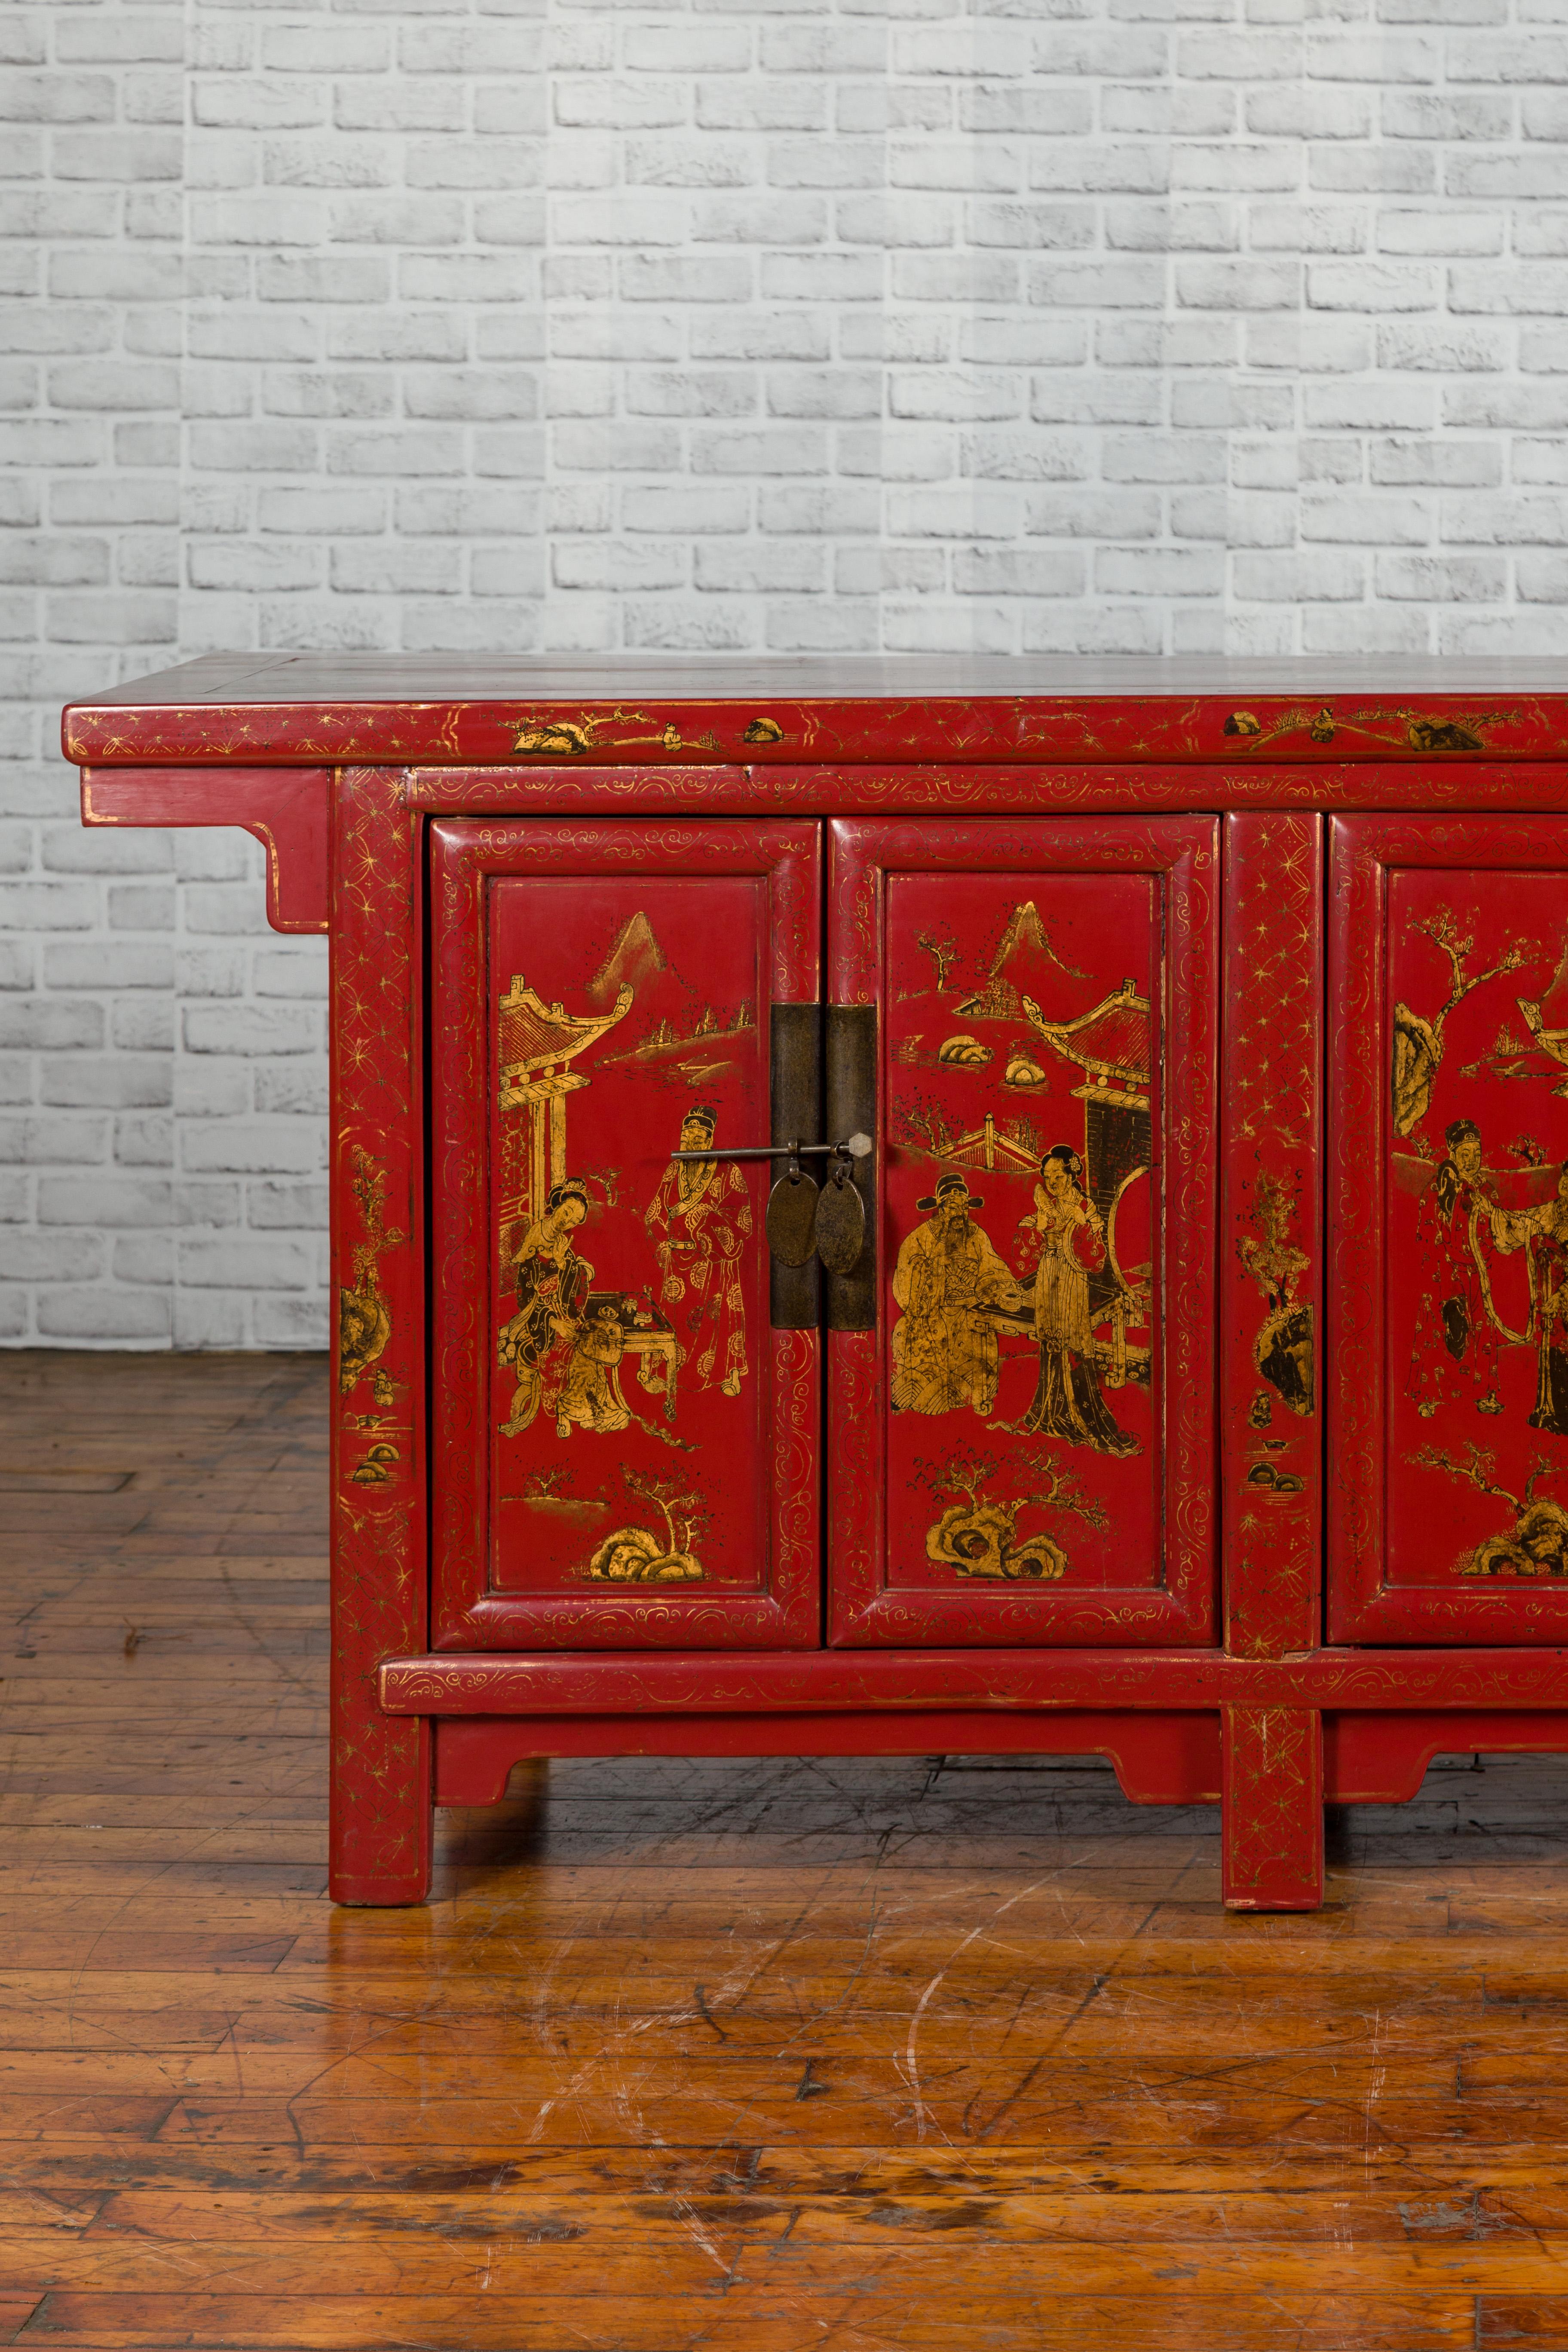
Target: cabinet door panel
624, 1450
1022, 1449
1449, 1306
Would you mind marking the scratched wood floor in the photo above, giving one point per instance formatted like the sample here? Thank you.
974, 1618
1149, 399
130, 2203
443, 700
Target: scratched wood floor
936, 2055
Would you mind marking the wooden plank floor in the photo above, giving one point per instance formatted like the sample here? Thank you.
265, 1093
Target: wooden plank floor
698, 2057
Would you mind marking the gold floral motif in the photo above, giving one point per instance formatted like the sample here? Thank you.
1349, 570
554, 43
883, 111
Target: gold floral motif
554, 737
1418, 1043
978, 1535
1402, 730
633, 1556
364, 1317
1536, 1544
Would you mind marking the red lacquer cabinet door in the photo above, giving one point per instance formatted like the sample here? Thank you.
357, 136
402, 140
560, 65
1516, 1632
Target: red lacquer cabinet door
1020, 1447
624, 1450
1449, 1218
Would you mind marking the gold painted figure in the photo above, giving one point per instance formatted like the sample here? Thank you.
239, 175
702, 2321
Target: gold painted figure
591, 1395
552, 1282
1068, 1401
699, 1220
1459, 1230
1283, 1351
949, 1282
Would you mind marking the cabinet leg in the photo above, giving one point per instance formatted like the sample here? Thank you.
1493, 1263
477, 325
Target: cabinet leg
383, 1809
1273, 1808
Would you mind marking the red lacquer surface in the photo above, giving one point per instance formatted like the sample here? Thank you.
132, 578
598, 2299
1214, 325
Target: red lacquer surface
288, 810
1450, 1359
957, 783
1160, 1759
1273, 1797
628, 1450
1367, 1681
1036, 1399
1271, 1218
381, 1769
578, 794
417, 708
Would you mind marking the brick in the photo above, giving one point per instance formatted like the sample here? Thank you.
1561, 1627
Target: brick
969, 513
1521, 176
1519, 288
865, 106
1377, 286
103, 964
1306, 112
1374, 407
1302, 576
1411, 230
142, 1025
1496, 520
103, 1315
1059, 227
1236, 166
47, 906
1532, 461
288, 1322
751, 335
1019, 571
39, 1023
253, 1147
1441, 579
1449, 349
691, 392
831, 510
820, 277
40, 1257
236, 1263
1530, 58
106, 1081
289, 1207
144, 1140
1506, 407
705, 508
1444, 463
782, 448
1351, 517
1538, 231
666, 279
1024, 456
57, 97
961, 277
45, 1140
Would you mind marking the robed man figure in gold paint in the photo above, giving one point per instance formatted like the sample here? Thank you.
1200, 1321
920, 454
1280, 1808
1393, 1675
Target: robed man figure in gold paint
700, 1221
945, 1351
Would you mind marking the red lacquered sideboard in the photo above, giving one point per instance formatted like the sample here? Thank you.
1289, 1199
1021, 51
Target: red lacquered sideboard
1156, 1345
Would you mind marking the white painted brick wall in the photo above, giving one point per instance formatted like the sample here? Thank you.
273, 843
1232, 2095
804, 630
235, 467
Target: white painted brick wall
1052, 325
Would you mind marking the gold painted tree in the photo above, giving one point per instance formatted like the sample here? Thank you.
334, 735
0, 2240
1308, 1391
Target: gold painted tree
1417, 1041
978, 1535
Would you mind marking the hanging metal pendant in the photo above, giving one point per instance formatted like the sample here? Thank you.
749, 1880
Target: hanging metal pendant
791, 1224
841, 1223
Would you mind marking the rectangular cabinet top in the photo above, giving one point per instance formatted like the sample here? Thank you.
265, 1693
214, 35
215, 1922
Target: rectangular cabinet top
444, 709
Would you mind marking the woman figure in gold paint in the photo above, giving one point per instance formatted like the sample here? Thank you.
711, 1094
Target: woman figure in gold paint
1068, 1401
1548, 1269
698, 1222
1543, 1232
551, 1284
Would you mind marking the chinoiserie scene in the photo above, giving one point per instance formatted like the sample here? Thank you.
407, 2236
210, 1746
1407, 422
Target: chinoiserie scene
784, 1176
